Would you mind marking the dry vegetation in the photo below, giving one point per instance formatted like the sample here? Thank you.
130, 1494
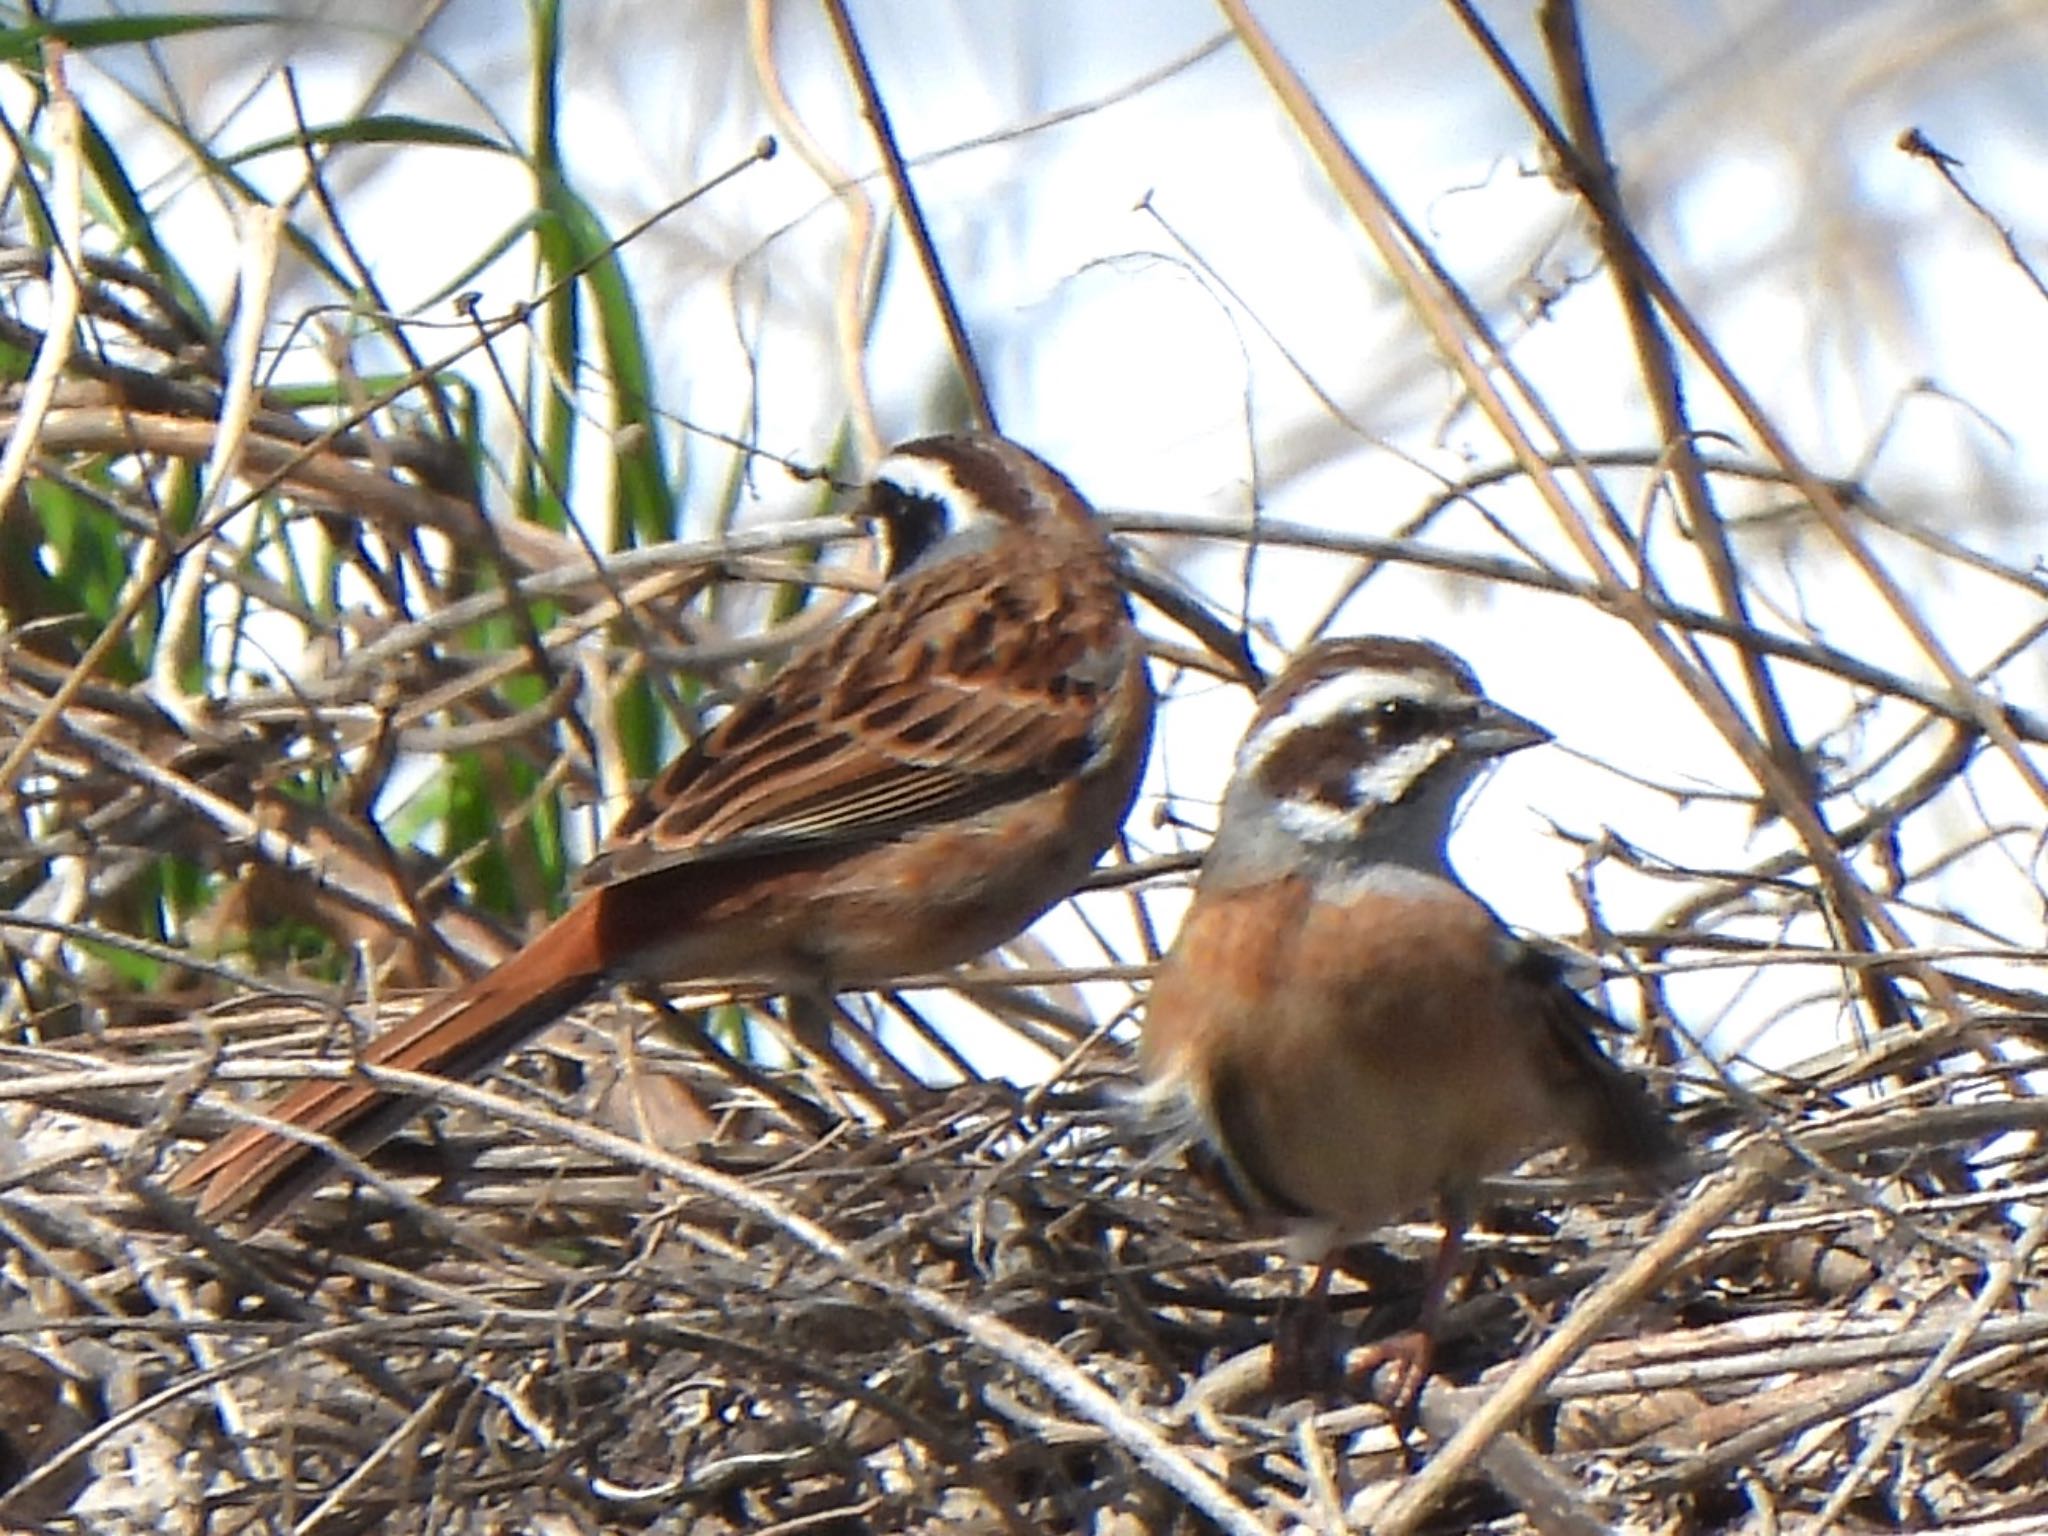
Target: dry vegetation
238, 617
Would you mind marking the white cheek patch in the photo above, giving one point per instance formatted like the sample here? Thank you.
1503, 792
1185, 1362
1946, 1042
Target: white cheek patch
1374, 786
1311, 821
961, 519
1391, 777
936, 480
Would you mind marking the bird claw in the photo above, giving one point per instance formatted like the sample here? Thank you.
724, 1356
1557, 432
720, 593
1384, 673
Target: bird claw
1411, 1353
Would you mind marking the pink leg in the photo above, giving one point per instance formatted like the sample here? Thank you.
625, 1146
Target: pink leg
1413, 1351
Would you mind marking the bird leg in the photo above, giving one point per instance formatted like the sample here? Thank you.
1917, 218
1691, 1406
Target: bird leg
1413, 1350
1301, 1360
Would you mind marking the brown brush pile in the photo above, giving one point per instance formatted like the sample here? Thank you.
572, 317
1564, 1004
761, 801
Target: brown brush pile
992, 1315
642, 1282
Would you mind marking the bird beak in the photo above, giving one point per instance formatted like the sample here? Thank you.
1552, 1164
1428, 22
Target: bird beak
1495, 732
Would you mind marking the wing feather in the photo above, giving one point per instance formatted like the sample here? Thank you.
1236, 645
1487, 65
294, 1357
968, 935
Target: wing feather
1622, 1125
957, 691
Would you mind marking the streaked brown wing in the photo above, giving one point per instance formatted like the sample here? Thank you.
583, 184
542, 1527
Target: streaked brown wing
957, 691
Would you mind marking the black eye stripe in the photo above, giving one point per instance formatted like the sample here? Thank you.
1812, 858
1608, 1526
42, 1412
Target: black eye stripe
1319, 762
911, 524
1398, 721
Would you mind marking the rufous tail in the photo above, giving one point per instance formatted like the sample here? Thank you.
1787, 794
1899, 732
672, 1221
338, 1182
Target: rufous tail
257, 1173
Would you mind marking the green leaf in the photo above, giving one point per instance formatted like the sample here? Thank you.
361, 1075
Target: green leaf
23, 45
387, 129
124, 204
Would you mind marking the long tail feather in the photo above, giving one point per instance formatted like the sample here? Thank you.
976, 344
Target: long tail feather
257, 1173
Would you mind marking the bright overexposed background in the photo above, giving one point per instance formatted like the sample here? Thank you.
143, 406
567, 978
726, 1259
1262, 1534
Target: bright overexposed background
1171, 303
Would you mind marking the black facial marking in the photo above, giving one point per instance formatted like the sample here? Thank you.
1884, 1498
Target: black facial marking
1314, 763
985, 469
911, 524
1397, 722
1319, 763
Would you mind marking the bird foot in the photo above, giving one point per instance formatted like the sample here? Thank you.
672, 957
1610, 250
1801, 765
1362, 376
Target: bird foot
1410, 1353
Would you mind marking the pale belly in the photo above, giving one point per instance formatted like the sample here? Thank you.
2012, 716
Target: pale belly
1355, 1062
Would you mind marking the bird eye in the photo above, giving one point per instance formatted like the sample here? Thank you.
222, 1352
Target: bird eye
1400, 720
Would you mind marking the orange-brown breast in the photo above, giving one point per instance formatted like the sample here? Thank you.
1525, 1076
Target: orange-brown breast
1355, 1059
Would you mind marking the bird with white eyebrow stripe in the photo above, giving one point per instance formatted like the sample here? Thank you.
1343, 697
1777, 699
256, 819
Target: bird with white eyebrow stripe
913, 787
1353, 1031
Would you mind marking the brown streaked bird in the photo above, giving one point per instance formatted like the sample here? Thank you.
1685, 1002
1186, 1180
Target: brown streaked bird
912, 789
1353, 1031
